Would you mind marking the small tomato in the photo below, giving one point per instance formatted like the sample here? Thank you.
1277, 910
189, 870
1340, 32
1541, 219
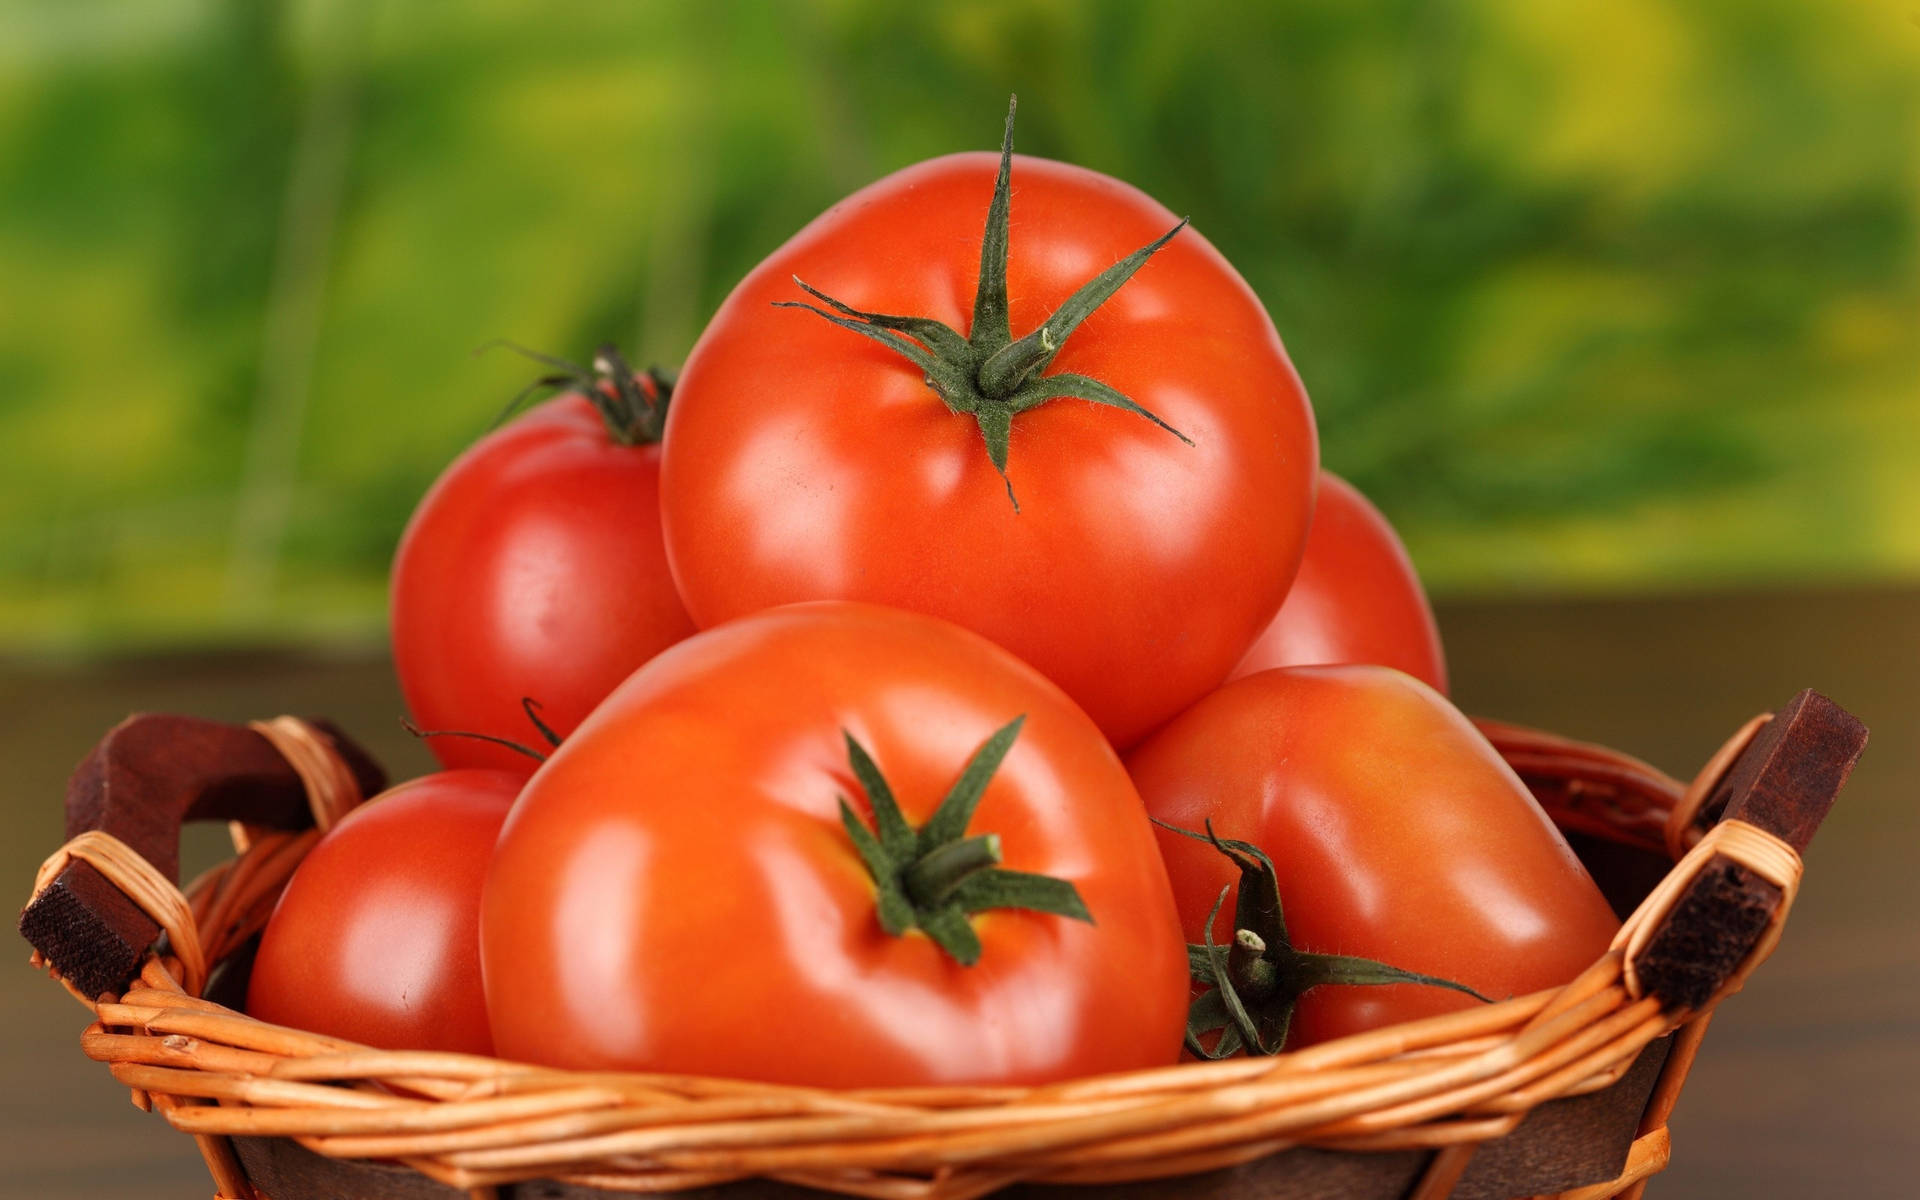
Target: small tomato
534, 569
377, 937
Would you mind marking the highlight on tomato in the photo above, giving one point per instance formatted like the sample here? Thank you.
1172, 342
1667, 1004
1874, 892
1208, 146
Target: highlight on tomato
1077, 433
838, 845
1395, 832
1357, 598
377, 937
535, 568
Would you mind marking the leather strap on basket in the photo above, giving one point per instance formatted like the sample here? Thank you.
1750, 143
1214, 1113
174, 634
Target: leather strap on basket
1681, 832
141, 882
1752, 847
331, 792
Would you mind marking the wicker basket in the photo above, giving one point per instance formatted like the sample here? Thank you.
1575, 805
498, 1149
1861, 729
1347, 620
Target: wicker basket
1564, 1092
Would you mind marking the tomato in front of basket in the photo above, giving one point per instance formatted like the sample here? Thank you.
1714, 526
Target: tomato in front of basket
1396, 833
1080, 437
839, 845
1357, 598
534, 568
377, 937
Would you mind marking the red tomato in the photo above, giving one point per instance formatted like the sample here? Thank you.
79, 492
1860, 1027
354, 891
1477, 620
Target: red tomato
806, 461
1396, 833
534, 568
679, 889
1357, 598
376, 939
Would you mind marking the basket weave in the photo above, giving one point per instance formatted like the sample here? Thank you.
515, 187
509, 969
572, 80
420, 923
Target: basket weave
1446, 1083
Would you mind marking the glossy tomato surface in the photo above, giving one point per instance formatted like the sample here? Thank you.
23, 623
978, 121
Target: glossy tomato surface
676, 890
377, 937
806, 462
534, 568
1357, 598
1396, 833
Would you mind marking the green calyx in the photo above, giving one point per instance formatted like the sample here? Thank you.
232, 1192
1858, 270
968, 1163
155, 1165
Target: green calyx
1253, 984
632, 404
936, 877
987, 374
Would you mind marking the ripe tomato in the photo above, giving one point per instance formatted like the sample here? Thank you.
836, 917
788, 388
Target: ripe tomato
1357, 598
1396, 833
690, 883
837, 458
534, 568
377, 937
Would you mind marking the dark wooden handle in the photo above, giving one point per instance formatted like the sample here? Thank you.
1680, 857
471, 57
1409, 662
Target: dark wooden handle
1785, 782
152, 773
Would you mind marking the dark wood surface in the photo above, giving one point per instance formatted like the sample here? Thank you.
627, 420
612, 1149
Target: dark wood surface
1807, 1085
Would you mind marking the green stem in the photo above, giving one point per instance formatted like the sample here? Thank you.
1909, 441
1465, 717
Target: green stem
517, 747
632, 405
932, 877
1248, 966
936, 877
987, 374
1003, 374
1253, 985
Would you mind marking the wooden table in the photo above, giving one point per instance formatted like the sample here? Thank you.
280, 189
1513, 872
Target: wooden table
1810, 1081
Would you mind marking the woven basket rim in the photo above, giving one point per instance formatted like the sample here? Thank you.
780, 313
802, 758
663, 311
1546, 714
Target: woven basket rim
1451, 1081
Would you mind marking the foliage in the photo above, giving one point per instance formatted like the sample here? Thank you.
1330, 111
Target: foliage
1587, 296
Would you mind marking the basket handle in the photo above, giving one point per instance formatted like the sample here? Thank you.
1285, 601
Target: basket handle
150, 774
1784, 782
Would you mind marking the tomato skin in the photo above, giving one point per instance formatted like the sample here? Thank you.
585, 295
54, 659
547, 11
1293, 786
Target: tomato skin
1396, 833
1357, 598
805, 462
377, 937
675, 891
534, 568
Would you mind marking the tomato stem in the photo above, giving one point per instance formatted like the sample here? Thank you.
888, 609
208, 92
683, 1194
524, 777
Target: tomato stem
936, 877
930, 879
986, 374
517, 747
533, 708
1253, 985
633, 405
528, 705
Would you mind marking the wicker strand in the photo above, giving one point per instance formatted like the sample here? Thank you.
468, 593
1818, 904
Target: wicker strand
332, 790
1681, 833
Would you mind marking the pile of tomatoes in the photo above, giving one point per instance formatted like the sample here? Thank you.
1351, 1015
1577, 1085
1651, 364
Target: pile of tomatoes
919, 689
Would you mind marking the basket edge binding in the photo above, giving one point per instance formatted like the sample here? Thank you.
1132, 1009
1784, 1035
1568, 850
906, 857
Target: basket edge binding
1449, 1081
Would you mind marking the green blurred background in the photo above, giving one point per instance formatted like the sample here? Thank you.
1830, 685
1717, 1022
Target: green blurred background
1590, 297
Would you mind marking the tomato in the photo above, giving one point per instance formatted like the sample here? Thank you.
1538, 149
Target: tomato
1396, 833
1038, 494
1357, 598
690, 883
376, 939
534, 569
